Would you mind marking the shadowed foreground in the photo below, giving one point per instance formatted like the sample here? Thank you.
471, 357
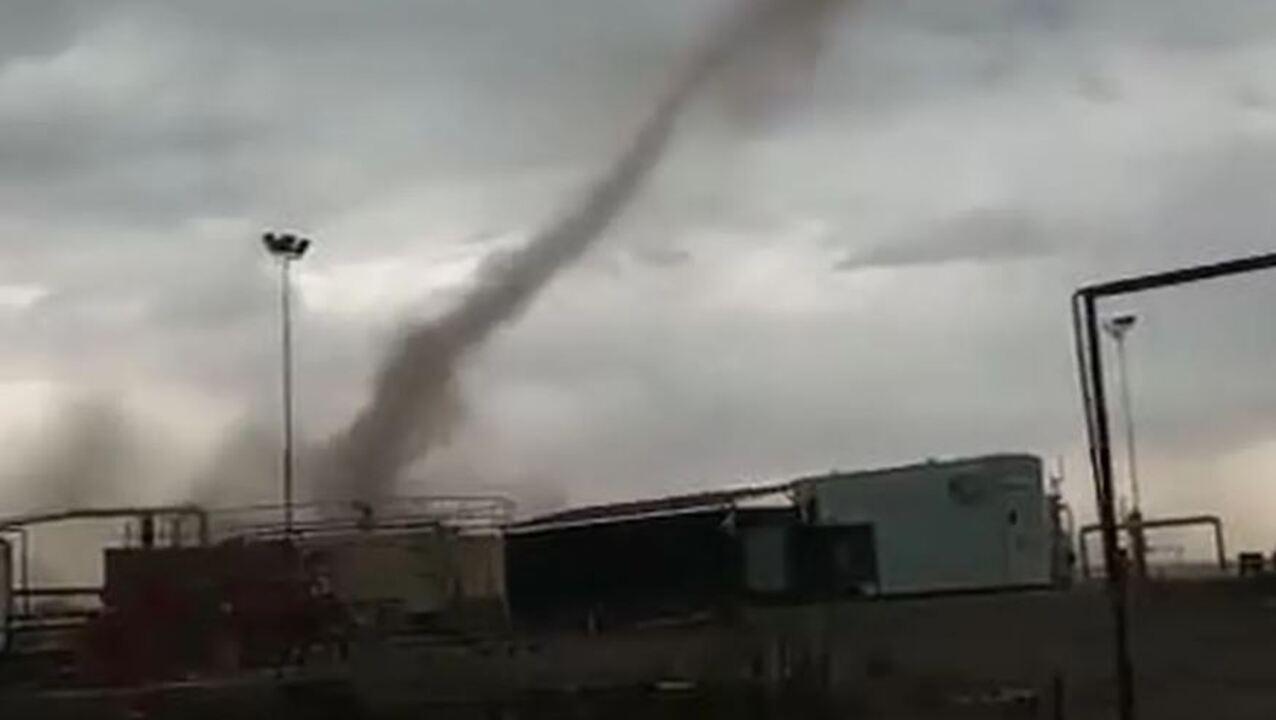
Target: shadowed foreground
1199, 647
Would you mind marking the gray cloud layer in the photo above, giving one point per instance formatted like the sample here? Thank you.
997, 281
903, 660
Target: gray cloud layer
970, 162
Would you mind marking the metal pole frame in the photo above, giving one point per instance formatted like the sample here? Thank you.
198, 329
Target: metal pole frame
286, 248
1098, 432
285, 281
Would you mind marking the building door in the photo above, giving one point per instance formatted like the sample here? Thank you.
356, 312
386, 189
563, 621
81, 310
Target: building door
1021, 520
834, 561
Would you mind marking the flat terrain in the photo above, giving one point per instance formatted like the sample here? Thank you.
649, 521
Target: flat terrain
1205, 648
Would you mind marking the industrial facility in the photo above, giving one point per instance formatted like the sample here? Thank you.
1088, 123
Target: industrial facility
195, 593
980, 524
814, 586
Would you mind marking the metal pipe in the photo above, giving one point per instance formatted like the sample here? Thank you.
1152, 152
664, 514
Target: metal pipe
57, 615
28, 628
1214, 521
493, 510
26, 565
264, 532
1125, 286
79, 591
501, 501
21, 521
24, 562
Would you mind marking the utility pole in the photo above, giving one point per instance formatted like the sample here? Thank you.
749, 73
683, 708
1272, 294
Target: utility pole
286, 248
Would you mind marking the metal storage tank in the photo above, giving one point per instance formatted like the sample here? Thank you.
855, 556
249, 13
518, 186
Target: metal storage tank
414, 573
430, 578
969, 524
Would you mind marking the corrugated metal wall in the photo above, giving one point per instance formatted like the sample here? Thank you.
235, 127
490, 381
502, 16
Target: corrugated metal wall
618, 571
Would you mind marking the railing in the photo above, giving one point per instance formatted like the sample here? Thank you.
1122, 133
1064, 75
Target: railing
152, 523
459, 513
48, 611
147, 516
1216, 524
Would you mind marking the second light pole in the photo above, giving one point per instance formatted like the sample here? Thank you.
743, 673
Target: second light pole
1118, 326
287, 249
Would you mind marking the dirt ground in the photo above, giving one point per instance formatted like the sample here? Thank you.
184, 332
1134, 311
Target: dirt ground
1201, 649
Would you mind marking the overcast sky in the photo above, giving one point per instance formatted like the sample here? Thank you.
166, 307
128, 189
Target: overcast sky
880, 273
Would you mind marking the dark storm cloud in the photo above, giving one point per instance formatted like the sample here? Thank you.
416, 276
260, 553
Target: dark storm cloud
983, 236
36, 27
1225, 202
146, 143
153, 112
662, 257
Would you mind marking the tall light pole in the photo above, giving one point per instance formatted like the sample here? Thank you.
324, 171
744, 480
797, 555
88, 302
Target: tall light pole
1118, 326
286, 248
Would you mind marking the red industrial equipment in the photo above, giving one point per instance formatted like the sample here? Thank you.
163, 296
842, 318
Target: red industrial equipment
175, 613
176, 604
